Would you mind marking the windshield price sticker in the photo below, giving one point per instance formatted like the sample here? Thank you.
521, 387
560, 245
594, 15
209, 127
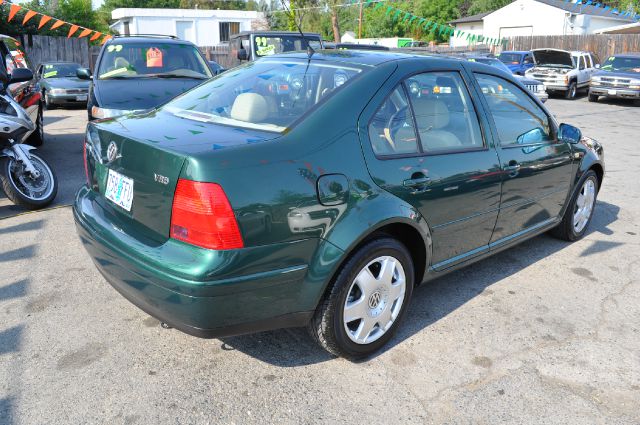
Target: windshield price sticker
154, 58
264, 49
114, 48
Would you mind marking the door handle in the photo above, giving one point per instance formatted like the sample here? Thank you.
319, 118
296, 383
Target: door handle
417, 182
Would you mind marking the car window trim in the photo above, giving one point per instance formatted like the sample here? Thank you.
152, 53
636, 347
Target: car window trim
552, 122
422, 153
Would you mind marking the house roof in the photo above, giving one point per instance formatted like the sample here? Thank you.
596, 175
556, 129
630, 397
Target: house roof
633, 28
472, 18
583, 9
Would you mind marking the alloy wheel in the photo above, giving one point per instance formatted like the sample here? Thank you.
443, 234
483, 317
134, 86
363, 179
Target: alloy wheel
374, 300
584, 205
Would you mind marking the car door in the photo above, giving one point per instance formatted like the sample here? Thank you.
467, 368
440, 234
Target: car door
425, 142
527, 62
537, 167
583, 71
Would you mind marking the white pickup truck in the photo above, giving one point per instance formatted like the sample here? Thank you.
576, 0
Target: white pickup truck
563, 71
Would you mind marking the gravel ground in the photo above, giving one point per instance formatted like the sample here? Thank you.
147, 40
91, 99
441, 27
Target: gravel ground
547, 332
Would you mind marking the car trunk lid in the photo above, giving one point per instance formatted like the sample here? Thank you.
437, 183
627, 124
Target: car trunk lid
151, 153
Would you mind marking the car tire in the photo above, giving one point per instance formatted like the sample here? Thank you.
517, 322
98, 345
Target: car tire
37, 137
381, 300
579, 209
571, 91
593, 97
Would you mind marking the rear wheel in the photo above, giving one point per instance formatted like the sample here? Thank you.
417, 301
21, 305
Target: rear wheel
572, 91
593, 97
367, 301
578, 214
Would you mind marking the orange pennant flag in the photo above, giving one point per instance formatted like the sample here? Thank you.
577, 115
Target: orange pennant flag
95, 36
44, 20
1, 1
106, 37
30, 14
73, 29
12, 12
84, 33
58, 23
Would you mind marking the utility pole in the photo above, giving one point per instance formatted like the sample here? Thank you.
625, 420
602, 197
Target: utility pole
360, 20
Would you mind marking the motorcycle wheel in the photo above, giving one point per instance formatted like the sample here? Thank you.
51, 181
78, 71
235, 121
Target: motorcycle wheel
24, 190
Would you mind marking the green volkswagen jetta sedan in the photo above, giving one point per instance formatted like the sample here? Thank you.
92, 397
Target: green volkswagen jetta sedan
320, 190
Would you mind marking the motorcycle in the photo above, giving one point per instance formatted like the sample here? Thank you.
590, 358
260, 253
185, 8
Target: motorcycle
26, 179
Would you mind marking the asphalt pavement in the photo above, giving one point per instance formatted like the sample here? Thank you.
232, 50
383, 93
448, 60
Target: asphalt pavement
547, 332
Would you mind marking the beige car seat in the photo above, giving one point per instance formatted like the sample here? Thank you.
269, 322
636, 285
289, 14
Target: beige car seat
432, 116
250, 107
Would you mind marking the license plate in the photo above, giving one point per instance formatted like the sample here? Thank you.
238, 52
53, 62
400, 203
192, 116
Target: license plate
612, 92
81, 98
119, 190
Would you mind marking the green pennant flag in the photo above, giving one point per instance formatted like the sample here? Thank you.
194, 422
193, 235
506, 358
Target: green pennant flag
468, 36
406, 16
377, 6
442, 27
389, 9
368, 3
413, 18
427, 25
395, 15
421, 21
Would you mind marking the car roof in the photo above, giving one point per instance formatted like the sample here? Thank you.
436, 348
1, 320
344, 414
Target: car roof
627, 55
241, 33
147, 39
519, 52
359, 57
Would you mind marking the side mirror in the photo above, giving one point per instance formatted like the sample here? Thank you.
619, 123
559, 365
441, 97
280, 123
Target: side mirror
215, 68
242, 55
20, 75
83, 73
569, 134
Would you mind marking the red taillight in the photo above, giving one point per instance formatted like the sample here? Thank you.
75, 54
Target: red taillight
202, 216
84, 158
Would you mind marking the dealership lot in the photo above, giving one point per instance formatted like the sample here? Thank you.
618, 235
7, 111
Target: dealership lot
548, 332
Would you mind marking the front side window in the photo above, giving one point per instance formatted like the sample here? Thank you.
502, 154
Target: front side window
145, 60
518, 119
445, 117
267, 95
391, 130
583, 64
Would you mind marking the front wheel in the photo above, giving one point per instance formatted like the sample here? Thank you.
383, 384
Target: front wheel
31, 192
367, 301
578, 214
571, 91
593, 97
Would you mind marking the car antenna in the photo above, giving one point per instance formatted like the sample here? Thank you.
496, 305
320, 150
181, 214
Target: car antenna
310, 50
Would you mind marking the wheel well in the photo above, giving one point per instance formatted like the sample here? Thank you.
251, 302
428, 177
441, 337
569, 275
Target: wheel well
411, 239
597, 168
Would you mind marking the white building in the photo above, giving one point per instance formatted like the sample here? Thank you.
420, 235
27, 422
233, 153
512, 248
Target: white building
539, 17
201, 27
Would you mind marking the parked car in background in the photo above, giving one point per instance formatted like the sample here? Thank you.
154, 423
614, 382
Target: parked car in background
518, 62
60, 84
618, 78
319, 190
562, 71
252, 45
137, 73
26, 93
534, 86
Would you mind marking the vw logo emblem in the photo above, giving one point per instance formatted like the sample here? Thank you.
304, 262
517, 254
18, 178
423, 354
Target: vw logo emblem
374, 299
112, 151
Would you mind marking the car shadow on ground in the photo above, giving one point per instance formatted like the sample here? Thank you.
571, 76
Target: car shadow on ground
431, 301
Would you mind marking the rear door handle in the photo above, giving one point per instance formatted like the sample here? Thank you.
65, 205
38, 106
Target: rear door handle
417, 182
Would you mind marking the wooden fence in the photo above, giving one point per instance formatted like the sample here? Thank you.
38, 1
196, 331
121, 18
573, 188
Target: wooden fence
42, 48
221, 55
603, 45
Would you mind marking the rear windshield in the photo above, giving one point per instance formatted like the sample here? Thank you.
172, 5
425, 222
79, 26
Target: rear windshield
510, 58
266, 46
60, 70
622, 64
266, 95
147, 60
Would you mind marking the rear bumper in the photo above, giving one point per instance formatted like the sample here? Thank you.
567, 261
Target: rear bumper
200, 292
615, 93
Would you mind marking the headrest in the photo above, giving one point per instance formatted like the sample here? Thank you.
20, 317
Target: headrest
250, 107
431, 113
121, 62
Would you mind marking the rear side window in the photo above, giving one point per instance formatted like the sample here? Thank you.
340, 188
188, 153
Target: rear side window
518, 119
445, 117
391, 130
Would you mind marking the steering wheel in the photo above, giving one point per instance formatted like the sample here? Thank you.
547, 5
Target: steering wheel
393, 126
